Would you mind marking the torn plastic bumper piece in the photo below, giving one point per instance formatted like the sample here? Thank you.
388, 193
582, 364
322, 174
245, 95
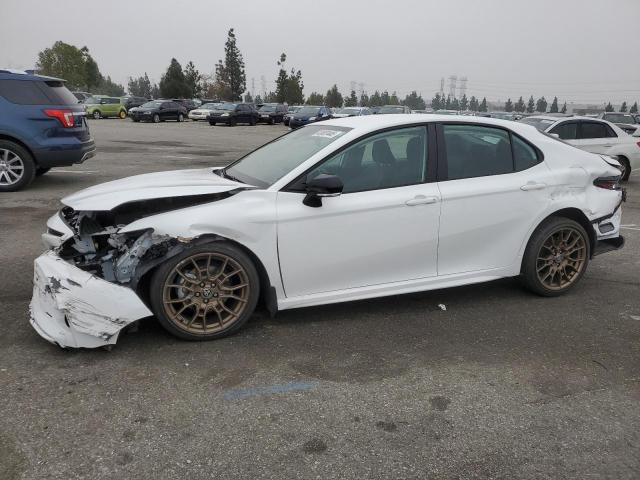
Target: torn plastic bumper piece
608, 245
72, 308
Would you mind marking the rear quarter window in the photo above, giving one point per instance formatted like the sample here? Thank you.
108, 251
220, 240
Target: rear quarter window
29, 92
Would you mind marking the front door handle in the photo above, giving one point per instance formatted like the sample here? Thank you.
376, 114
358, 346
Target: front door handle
421, 200
533, 186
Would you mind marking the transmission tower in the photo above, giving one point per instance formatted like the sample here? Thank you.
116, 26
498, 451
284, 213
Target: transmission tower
453, 81
352, 86
463, 86
263, 87
442, 87
253, 87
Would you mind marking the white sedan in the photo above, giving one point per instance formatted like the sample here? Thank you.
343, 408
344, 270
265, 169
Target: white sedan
203, 111
343, 210
593, 135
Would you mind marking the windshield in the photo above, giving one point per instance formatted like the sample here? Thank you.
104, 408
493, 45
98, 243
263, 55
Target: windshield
227, 106
92, 100
267, 108
540, 123
348, 111
268, 164
308, 111
294, 109
619, 118
210, 106
151, 105
391, 110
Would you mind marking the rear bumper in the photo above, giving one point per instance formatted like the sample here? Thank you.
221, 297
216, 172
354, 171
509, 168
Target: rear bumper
72, 308
65, 155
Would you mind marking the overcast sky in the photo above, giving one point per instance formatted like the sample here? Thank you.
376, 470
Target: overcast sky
579, 50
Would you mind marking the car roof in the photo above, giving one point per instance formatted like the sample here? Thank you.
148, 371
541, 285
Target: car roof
11, 74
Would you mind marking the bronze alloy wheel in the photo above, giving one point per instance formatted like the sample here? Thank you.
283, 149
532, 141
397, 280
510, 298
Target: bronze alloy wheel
206, 293
561, 259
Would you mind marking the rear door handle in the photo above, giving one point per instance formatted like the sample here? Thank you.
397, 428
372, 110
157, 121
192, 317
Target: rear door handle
421, 200
533, 186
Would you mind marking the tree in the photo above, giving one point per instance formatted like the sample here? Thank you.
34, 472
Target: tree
385, 98
473, 104
447, 103
455, 104
531, 105
111, 88
315, 99
414, 101
295, 87
140, 87
258, 100
364, 99
193, 79
623, 107
282, 80
508, 106
541, 105
564, 108
464, 103
230, 78
483, 105
519, 106
609, 107
351, 100
436, 102
248, 98
333, 97
93, 77
375, 100
173, 83
634, 108
63, 61
554, 105
394, 100
155, 91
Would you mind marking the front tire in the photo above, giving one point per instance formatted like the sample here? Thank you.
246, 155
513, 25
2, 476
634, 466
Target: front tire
205, 292
17, 168
156, 118
180, 118
97, 115
122, 114
556, 257
212, 123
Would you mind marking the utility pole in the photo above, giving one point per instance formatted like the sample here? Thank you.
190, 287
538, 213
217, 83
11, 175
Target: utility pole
253, 87
463, 86
263, 85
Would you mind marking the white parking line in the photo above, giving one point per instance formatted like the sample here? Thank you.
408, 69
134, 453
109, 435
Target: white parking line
86, 172
631, 228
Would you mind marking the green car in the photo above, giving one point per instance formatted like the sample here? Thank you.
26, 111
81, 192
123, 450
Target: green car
101, 106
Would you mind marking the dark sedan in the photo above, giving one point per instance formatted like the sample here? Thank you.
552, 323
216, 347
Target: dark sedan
234, 113
309, 114
158, 111
272, 113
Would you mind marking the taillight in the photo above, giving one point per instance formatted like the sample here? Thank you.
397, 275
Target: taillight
638, 143
608, 183
65, 117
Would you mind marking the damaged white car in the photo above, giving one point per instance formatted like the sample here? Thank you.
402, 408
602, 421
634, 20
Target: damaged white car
344, 210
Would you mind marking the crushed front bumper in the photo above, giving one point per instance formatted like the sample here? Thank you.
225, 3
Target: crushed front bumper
72, 308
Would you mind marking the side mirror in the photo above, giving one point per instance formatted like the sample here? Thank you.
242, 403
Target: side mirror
103, 102
554, 135
322, 186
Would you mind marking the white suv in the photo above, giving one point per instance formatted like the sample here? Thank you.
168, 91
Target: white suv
593, 135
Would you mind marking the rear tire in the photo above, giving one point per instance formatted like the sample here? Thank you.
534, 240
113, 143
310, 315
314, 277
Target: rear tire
626, 173
17, 168
212, 123
205, 292
180, 118
556, 257
252, 122
97, 115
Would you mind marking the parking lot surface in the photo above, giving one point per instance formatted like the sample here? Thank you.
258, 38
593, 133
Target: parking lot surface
484, 381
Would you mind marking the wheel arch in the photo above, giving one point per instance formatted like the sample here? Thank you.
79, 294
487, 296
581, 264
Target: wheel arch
13, 139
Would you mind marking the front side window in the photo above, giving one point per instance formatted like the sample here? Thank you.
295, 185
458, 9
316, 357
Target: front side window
269, 163
566, 131
390, 159
476, 151
593, 130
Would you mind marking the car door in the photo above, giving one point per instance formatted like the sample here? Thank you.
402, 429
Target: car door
595, 137
383, 228
492, 184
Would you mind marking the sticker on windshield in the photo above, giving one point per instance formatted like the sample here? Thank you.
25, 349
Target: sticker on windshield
547, 122
327, 133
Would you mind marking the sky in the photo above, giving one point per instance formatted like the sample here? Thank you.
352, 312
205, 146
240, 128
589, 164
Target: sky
583, 51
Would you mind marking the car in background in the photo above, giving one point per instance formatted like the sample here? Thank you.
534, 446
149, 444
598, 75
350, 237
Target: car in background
625, 121
291, 110
233, 114
131, 101
186, 103
102, 106
505, 115
41, 126
272, 113
309, 114
393, 109
593, 135
352, 112
422, 111
81, 96
203, 111
157, 111
351, 209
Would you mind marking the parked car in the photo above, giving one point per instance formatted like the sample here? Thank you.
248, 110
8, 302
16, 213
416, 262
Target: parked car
393, 109
272, 113
234, 113
352, 112
505, 115
311, 218
292, 109
186, 103
102, 106
203, 111
157, 111
309, 114
625, 121
81, 96
131, 101
41, 126
593, 135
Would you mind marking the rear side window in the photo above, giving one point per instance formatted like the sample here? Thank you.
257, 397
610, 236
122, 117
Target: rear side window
566, 131
593, 130
524, 155
27, 92
476, 151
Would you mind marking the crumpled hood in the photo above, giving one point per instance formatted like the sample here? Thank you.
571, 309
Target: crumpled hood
174, 183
